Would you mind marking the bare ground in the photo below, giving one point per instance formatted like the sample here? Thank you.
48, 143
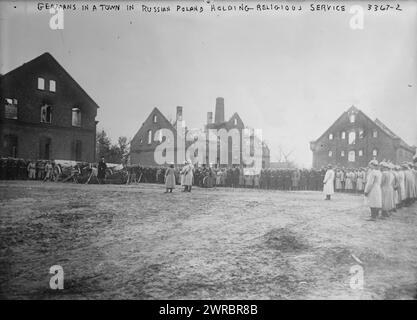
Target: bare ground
134, 242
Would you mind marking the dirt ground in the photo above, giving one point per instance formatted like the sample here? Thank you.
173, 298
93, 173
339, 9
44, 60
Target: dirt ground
135, 242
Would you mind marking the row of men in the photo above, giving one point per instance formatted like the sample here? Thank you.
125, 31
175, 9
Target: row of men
45, 170
21, 169
387, 187
279, 179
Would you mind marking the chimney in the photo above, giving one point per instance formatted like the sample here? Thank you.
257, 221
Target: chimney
219, 115
179, 113
209, 117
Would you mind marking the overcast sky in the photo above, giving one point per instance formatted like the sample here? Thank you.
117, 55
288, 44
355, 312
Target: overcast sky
290, 74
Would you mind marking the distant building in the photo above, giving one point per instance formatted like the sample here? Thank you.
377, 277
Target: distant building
146, 140
45, 114
354, 139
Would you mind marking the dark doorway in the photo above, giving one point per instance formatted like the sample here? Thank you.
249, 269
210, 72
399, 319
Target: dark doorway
45, 148
10, 144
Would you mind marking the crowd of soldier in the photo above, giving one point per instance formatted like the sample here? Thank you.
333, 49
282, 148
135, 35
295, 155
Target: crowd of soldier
390, 187
345, 180
21, 169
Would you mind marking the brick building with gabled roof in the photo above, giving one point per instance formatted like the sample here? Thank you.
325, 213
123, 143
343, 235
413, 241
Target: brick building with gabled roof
354, 139
46, 114
144, 143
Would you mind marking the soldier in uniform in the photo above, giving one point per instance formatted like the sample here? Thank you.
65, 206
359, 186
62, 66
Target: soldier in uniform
372, 190
40, 169
236, 175
296, 176
48, 171
328, 182
170, 179
101, 171
31, 168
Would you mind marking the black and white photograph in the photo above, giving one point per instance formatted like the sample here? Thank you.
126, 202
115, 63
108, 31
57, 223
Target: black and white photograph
208, 150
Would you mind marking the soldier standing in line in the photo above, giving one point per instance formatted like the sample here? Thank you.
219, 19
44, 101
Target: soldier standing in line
31, 170
296, 176
360, 180
48, 171
387, 190
236, 175
372, 190
40, 166
349, 181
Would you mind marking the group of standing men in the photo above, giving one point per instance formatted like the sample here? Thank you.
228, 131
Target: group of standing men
387, 187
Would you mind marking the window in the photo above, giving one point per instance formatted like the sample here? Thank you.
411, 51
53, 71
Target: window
41, 83
46, 114
375, 152
160, 135
10, 109
155, 118
342, 153
235, 122
352, 118
343, 135
76, 117
52, 85
360, 153
149, 136
352, 137
330, 153
331, 136
351, 156
360, 133
375, 134
140, 141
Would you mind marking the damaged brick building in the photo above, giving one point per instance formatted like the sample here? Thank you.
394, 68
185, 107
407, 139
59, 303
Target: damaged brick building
148, 138
354, 139
45, 114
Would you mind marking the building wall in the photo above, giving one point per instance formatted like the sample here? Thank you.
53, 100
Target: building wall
22, 84
404, 155
385, 145
62, 142
141, 152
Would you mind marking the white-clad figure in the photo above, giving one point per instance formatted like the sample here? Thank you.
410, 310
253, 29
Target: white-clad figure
328, 181
372, 190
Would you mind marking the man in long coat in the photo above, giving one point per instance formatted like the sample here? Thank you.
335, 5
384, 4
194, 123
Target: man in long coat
187, 176
372, 190
328, 181
409, 185
170, 179
387, 190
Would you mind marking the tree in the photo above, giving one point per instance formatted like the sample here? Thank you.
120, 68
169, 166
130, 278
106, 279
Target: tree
103, 144
112, 153
124, 148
